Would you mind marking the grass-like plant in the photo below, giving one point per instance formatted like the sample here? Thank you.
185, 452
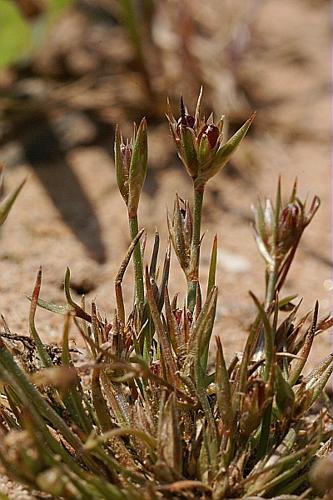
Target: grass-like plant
146, 415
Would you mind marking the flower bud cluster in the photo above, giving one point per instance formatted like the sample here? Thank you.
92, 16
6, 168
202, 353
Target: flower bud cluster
131, 165
199, 143
279, 228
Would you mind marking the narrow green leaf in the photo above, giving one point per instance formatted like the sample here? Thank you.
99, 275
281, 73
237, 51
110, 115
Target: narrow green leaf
212, 267
118, 161
188, 150
223, 395
55, 308
202, 327
42, 353
7, 203
224, 154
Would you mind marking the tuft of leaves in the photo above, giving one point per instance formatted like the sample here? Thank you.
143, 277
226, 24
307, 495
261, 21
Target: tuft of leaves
145, 415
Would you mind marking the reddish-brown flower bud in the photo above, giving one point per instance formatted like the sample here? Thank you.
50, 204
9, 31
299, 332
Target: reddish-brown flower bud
212, 133
185, 121
126, 154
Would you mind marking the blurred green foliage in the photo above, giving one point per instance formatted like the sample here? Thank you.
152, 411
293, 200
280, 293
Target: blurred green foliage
20, 36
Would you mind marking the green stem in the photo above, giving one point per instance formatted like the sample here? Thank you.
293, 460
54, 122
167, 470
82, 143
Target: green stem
195, 248
269, 297
267, 417
138, 269
271, 285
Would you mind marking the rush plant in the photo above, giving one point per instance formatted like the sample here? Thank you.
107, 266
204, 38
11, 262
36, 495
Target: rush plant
143, 414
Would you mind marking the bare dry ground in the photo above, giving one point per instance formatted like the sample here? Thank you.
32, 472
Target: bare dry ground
70, 213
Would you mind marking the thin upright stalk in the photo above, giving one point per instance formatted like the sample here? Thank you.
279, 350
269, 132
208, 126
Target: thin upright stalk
271, 284
273, 275
137, 260
267, 417
192, 283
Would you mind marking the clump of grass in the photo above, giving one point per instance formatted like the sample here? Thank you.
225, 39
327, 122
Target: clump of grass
145, 417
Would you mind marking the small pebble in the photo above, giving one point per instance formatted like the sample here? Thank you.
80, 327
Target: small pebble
235, 263
328, 285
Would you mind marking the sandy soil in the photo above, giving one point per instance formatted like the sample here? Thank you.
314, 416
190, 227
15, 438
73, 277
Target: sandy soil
70, 213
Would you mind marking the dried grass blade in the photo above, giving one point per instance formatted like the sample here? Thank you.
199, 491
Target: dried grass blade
42, 352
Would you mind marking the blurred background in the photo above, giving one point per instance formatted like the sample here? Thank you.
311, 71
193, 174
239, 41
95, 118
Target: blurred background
70, 70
